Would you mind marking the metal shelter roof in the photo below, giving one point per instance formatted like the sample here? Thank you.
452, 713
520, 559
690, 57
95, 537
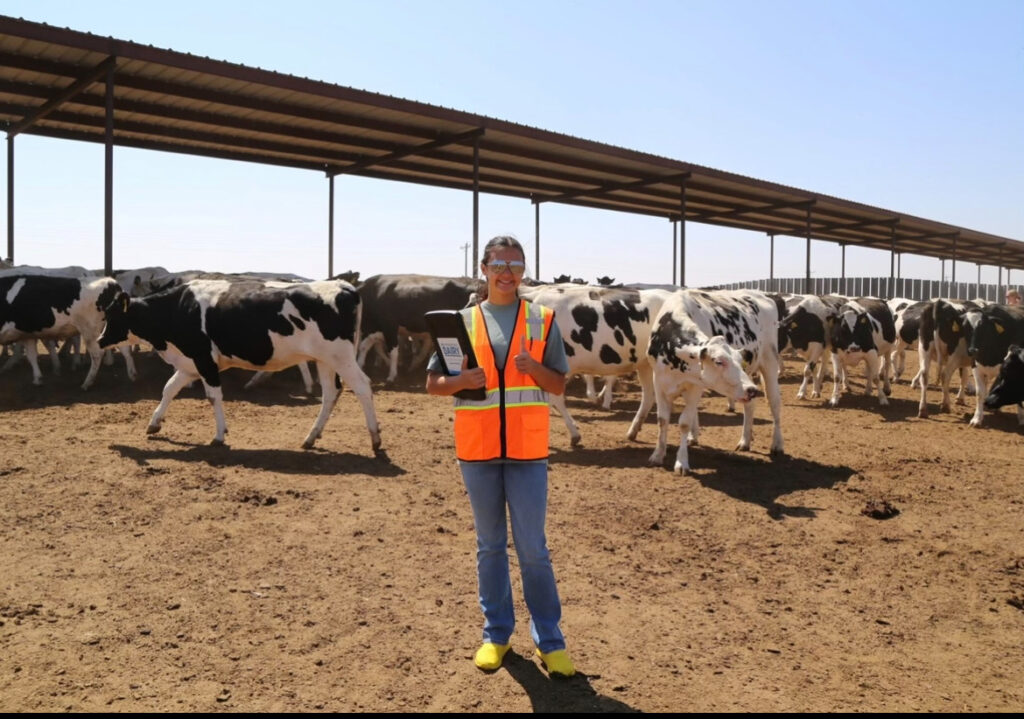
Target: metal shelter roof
53, 83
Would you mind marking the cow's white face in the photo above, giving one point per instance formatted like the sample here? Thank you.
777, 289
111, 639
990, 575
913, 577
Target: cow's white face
722, 370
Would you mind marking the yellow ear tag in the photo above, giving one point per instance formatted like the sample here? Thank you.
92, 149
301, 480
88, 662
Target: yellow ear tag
956, 326
999, 327
792, 325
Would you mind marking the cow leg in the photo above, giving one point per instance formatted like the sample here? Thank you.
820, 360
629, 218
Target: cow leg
178, 381
838, 379
886, 373
307, 378
647, 395
945, 378
558, 402
1020, 414
259, 377
770, 383
16, 351
32, 355
688, 426
392, 364
811, 373
874, 383
965, 388
52, 350
129, 362
664, 397
348, 370
981, 389
924, 358
588, 382
606, 392
95, 358
371, 340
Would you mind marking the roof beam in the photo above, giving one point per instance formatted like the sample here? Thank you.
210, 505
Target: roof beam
607, 187
834, 226
740, 211
406, 152
63, 96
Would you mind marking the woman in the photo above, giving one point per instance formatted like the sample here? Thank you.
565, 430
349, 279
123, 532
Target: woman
502, 446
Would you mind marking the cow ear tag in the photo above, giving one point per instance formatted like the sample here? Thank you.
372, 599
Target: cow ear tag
792, 325
956, 326
999, 328
124, 301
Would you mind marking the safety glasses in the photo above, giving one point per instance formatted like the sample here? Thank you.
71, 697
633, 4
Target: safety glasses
500, 266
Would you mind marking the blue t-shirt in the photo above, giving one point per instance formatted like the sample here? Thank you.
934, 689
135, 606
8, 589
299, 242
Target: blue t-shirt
501, 322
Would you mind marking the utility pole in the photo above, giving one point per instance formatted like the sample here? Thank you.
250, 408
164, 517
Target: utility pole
465, 259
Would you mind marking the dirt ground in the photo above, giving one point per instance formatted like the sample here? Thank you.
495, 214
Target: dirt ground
157, 573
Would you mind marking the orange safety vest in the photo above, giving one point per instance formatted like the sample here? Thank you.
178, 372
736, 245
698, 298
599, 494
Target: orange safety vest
511, 422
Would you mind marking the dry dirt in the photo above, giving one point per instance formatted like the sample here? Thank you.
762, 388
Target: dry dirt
878, 567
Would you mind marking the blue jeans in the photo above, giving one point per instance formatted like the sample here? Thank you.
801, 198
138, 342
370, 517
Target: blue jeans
524, 488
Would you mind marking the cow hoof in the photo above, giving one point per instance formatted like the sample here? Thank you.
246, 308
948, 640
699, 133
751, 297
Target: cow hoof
922, 414
777, 452
575, 441
975, 422
742, 447
681, 469
653, 461
944, 408
216, 442
152, 429
833, 403
308, 444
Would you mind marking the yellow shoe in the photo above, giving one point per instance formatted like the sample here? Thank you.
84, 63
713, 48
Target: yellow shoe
488, 657
557, 663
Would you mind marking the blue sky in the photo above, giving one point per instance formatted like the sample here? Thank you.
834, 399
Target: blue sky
916, 107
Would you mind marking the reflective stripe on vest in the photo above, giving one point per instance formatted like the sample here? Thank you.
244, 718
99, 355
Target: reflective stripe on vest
512, 421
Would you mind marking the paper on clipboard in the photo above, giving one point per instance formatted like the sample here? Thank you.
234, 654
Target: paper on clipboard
451, 342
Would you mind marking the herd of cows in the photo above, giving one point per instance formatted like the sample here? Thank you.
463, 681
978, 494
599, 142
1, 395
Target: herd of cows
679, 342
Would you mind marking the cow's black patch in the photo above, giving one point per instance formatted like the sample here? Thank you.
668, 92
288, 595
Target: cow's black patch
609, 355
585, 319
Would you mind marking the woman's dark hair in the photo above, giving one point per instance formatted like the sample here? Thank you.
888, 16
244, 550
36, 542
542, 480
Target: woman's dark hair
501, 242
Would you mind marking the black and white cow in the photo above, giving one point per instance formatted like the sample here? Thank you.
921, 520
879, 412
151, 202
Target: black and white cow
807, 326
52, 307
906, 315
606, 332
702, 340
945, 332
394, 305
998, 327
205, 326
864, 331
1008, 387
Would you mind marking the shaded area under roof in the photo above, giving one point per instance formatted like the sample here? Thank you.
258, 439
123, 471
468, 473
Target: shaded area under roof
53, 84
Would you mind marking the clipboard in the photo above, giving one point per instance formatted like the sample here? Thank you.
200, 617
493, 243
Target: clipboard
451, 342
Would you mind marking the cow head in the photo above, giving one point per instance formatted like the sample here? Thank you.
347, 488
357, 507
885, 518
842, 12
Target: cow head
722, 370
852, 331
605, 281
115, 331
801, 329
1009, 385
561, 279
991, 336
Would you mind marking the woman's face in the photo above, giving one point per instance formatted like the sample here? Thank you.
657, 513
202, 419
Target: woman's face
503, 282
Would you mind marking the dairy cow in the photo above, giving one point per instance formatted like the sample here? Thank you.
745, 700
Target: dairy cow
1008, 387
998, 327
864, 331
50, 307
906, 314
807, 325
703, 340
205, 326
605, 332
945, 333
394, 305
